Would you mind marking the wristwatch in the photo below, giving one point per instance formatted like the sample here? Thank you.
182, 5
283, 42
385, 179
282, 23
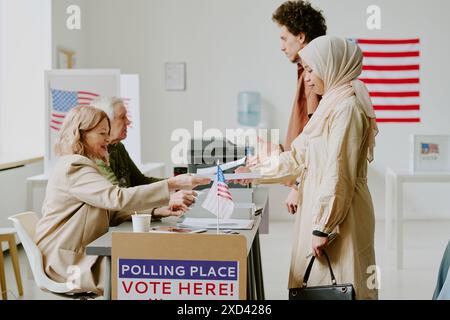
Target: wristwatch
155, 218
319, 233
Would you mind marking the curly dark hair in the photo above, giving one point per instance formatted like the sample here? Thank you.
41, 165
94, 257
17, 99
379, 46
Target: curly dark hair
299, 16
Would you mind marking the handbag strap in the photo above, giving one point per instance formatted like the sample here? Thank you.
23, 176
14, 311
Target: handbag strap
308, 270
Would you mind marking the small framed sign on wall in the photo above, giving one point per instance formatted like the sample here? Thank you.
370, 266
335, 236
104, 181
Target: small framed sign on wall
430, 153
175, 74
66, 59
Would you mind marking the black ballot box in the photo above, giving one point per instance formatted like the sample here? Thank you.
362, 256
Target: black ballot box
204, 153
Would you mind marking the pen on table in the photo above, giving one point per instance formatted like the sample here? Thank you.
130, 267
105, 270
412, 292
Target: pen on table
230, 232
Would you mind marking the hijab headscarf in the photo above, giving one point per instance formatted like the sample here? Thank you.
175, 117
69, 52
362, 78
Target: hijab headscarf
338, 62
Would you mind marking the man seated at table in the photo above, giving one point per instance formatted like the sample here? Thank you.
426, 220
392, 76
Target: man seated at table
122, 171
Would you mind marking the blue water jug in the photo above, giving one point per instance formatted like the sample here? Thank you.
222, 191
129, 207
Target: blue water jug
249, 108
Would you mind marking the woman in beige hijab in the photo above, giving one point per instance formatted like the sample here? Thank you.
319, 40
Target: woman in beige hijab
329, 160
81, 204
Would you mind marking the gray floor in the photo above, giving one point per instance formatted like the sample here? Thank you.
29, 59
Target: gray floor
425, 242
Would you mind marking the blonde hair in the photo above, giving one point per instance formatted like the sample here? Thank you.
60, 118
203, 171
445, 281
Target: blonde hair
107, 104
78, 121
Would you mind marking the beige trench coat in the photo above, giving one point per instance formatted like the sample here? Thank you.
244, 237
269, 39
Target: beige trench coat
79, 206
333, 196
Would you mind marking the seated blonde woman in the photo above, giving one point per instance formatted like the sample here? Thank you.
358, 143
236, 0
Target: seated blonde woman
121, 169
80, 204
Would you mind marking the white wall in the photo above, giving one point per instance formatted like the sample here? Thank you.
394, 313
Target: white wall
64, 38
26, 52
220, 45
2, 76
231, 46
13, 185
405, 19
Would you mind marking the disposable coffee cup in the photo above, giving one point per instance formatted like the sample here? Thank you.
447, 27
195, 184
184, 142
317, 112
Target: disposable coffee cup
141, 222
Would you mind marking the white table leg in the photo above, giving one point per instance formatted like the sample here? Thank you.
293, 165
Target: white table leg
388, 214
399, 222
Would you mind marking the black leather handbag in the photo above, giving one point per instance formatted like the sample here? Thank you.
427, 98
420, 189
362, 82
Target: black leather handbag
331, 292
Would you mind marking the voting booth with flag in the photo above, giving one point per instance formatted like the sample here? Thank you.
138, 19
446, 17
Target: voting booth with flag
68, 88
65, 90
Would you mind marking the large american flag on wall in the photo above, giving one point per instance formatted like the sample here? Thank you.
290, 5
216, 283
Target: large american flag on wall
391, 74
63, 101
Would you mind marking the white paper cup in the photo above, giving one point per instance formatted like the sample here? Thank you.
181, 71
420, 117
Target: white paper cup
141, 222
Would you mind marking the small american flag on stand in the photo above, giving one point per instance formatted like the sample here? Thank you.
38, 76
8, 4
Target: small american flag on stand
391, 70
219, 200
64, 101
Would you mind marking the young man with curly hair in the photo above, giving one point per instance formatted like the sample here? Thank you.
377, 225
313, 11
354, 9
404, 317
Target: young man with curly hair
299, 24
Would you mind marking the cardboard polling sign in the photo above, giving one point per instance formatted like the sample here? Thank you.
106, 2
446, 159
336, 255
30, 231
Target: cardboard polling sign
149, 266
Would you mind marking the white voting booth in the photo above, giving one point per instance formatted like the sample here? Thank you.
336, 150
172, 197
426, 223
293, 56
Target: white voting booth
66, 88
129, 91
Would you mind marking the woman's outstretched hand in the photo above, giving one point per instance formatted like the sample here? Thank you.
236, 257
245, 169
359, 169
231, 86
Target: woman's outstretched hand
265, 149
243, 182
183, 199
186, 182
175, 210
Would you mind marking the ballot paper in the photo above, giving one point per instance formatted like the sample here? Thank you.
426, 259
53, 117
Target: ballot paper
225, 166
211, 223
